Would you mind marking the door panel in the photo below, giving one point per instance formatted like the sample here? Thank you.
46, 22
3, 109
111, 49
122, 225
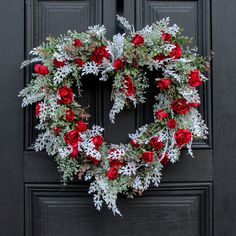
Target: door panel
173, 210
34, 202
186, 207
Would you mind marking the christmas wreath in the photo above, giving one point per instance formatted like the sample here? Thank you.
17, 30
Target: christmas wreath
80, 151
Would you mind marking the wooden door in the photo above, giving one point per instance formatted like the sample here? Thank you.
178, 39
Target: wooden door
196, 197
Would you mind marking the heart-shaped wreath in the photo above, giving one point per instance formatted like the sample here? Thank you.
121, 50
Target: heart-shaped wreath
130, 168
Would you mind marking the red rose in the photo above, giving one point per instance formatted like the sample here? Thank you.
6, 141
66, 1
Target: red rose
70, 115
100, 53
194, 78
129, 87
159, 57
66, 95
138, 40
74, 153
155, 143
116, 163
58, 63
161, 114
194, 104
57, 129
94, 160
176, 52
134, 143
112, 173
165, 36
77, 43
182, 136
72, 138
81, 126
171, 123
97, 140
118, 64
37, 109
180, 106
163, 83
148, 156
165, 159
79, 62
40, 69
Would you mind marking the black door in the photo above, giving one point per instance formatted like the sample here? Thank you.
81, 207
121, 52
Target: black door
196, 197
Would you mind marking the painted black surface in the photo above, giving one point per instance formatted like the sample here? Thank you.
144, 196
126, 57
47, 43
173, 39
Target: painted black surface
197, 196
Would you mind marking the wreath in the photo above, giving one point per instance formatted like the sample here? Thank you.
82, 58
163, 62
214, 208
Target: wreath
79, 149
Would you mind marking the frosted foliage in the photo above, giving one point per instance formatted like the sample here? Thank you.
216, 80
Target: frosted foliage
90, 68
97, 30
61, 74
129, 169
190, 94
119, 104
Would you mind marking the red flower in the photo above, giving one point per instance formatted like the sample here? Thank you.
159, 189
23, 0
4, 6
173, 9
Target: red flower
182, 136
94, 160
194, 78
79, 62
77, 43
176, 52
72, 138
97, 140
159, 57
66, 95
57, 129
165, 36
148, 156
112, 173
163, 83
40, 69
37, 109
70, 115
138, 40
74, 153
116, 163
155, 143
194, 104
100, 53
58, 63
180, 106
129, 87
171, 123
165, 159
81, 126
118, 64
134, 143
161, 114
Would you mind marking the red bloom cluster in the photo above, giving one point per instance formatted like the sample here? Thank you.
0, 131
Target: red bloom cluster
148, 156
138, 40
41, 70
166, 37
176, 52
182, 136
180, 106
58, 63
66, 95
156, 143
100, 53
129, 90
118, 64
161, 114
163, 83
194, 78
